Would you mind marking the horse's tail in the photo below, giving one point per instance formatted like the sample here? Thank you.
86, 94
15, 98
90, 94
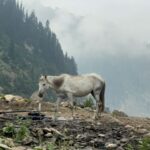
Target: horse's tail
102, 97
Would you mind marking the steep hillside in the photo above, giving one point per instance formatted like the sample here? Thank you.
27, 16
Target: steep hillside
27, 49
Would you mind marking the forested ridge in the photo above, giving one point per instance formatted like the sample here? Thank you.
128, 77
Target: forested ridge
28, 49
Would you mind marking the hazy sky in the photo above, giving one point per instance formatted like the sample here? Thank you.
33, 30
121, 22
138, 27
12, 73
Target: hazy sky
109, 37
92, 29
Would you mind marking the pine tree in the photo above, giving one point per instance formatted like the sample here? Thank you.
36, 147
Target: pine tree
28, 49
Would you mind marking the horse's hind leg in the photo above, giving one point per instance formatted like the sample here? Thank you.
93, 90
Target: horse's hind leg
98, 104
93, 94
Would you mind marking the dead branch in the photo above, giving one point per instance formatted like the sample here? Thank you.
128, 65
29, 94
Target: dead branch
17, 111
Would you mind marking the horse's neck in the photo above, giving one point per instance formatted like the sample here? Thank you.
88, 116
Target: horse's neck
51, 78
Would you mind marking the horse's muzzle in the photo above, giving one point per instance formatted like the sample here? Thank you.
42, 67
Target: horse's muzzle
40, 95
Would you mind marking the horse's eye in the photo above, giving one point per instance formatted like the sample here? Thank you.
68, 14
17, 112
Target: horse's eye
44, 84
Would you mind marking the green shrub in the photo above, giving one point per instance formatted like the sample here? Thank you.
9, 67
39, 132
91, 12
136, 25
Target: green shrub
18, 132
28, 100
117, 113
38, 148
88, 103
50, 146
144, 144
129, 147
21, 122
2, 96
22, 132
9, 129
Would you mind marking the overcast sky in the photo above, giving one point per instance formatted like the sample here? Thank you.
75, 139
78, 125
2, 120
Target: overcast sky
92, 29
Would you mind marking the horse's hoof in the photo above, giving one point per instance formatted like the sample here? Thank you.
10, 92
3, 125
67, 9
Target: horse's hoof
55, 117
96, 117
73, 118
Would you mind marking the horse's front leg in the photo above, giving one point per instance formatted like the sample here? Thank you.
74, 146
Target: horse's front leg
57, 107
70, 96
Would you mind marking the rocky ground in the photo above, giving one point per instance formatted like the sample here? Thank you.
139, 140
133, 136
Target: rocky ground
42, 132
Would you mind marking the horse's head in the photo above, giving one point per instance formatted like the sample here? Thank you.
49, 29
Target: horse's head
43, 85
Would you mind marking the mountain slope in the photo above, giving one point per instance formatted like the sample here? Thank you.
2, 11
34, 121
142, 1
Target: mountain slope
27, 49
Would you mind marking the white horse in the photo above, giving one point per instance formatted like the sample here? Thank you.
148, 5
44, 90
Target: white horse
75, 86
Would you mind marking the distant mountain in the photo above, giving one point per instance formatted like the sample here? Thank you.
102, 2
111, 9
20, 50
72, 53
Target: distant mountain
27, 49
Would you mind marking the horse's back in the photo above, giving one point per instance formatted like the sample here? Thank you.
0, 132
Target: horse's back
80, 85
83, 77
96, 76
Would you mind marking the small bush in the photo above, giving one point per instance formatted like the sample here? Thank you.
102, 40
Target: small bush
2, 97
88, 103
26, 123
28, 100
64, 146
50, 146
129, 147
38, 148
9, 129
117, 113
18, 132
144, 144
22, 132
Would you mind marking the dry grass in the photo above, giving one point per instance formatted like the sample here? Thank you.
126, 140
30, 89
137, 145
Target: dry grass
48, 109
